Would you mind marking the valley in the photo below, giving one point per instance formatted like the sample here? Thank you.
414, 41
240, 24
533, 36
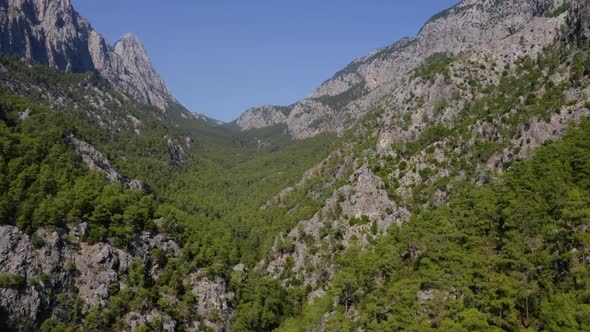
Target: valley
440, 183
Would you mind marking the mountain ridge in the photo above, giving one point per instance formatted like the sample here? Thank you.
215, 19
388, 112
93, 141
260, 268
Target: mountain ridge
332, 107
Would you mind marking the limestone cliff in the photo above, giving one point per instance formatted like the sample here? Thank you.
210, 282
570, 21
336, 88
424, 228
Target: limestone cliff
51, 32
470, 26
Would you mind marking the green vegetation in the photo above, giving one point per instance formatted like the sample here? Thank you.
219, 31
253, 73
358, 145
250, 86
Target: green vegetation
44, 184
209, 203
558, 11
505, 256
510, 255
14, 281
265, 304
436, 64
337, 102
362, 220
526, 93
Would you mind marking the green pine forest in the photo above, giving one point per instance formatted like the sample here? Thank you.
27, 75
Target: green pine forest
510, 255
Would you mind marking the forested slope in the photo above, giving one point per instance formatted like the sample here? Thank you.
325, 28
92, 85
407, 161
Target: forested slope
64, 166
509, 255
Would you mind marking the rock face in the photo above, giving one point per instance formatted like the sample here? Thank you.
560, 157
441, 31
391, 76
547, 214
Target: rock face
213, 301
51, 32
261, 117
470, 26
355, 214
139, 74
53, 262
95, 160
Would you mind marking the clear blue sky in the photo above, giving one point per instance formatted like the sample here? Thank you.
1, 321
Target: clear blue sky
222, 57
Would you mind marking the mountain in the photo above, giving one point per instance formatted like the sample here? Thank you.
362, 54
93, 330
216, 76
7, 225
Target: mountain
455, 196
53, 33
470, 26
448, 113
133, 70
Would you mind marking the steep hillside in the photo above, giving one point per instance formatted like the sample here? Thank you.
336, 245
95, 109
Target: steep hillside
455, 121
509, 255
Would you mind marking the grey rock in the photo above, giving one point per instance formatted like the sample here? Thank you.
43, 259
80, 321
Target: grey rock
136, 319
262, 117
136, 184
365, 197
22, 307
95, 160
239, 268
139, 77
332, 232
79, 231
53, 33
24, 115
213, 300
60, 261
15, 252
144, 242
470, 26
99, 266
175, 150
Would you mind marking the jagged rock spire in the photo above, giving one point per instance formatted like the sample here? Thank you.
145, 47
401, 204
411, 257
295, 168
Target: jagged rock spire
51, 32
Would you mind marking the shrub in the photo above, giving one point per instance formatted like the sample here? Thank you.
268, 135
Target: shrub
436, 64
403, 166
10, 280
37, 242
425, 173
558, 11
363, 220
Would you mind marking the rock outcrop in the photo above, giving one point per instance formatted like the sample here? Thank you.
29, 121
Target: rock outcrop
213, 300
95, 160
139, 78
51, 32
53, 262
355, 214
266, 116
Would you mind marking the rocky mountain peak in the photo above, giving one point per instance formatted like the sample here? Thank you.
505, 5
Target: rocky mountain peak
52, 33
140, 73
130, 42
48, 7
261, 117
